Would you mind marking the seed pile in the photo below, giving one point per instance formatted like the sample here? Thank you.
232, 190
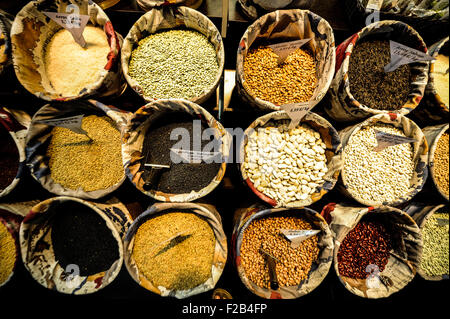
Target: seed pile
293, 266
441, 165
293, 81
435, 255
81, 237
377, 177
76, 162
370, 84
181, 178
174, 64
286, 164
71, 68
9, 159
441, 78
175, 250
367, 244
7, 253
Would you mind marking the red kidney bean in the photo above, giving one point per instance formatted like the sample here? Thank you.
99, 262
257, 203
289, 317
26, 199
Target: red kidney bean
367, 244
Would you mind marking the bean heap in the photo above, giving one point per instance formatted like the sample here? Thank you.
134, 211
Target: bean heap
367, 244
370, 84
293, 265
377, 177
441, 165
176, 263
286, 164
174, 64
9, 160
76, 162
292, 81
435, 255
7, 253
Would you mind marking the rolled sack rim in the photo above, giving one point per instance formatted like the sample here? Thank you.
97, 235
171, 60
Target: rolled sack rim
139, 124
367, 31
42, 135
305, 14
210, 215
106, 74
420, 150
335, 147
49, 281
285, 292
140, 29
386, 291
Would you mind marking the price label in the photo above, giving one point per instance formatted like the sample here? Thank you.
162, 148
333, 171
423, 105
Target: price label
284, 49
297, 112
374, 5
296, 237
72, 21
194, 157
402, 54
386, 140
73, 123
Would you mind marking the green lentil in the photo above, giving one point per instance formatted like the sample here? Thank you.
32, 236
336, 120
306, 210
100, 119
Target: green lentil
435, 256
174, 64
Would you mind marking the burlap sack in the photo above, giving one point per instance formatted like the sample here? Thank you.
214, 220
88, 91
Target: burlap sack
147, 5
37, 248
434, 108
210, 214
39, 136
320, 268
420, 149
31, 32
342, 106
421, 213
289, 25
134, 137
16, 123
5, 40
404, 256
253, 9
433, 134
333, 153
166, 18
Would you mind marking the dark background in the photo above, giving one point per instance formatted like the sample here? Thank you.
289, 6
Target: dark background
329, 298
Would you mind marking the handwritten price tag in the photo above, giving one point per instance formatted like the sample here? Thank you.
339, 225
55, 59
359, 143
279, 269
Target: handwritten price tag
402, 54
374, 5
386, 140
71, 21
297, 112
284, 49
73, 123
296, 237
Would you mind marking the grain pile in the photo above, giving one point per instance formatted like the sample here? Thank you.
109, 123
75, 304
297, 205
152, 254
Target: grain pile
77, 162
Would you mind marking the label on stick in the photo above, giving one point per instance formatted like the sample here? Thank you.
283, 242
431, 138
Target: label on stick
386, 140
72, 22
402, 54
296, 237
297, 112
284, 49
374, 5
73, 123
193, 157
